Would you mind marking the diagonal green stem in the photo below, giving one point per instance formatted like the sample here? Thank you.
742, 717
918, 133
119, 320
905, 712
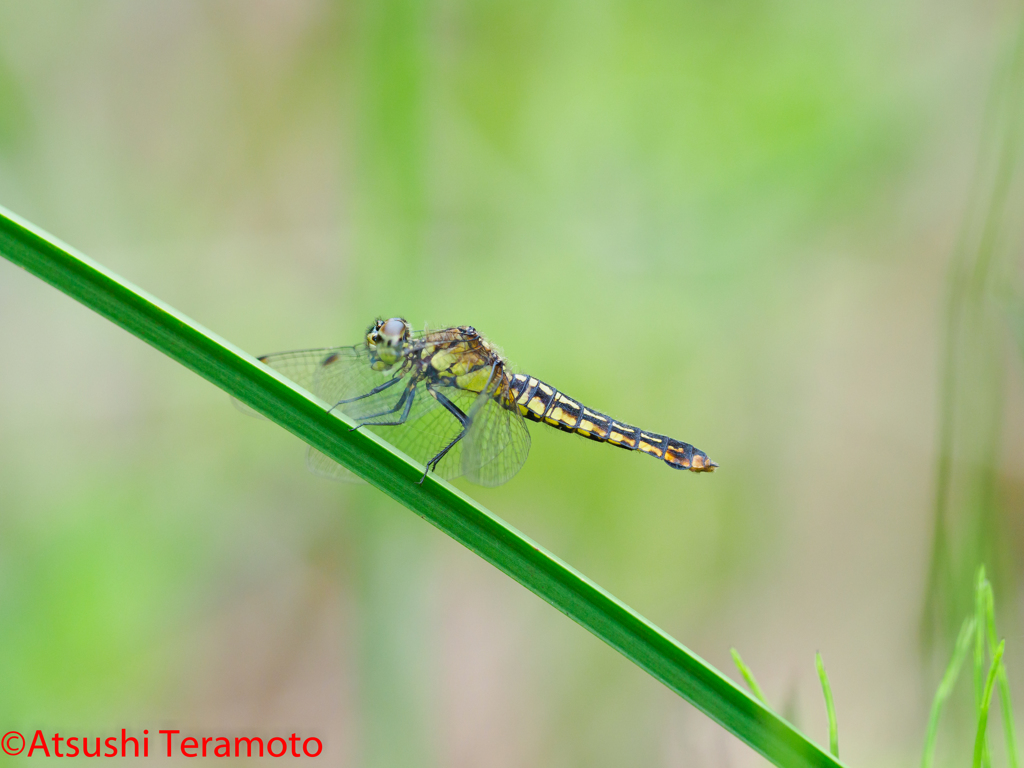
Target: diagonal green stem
440, 504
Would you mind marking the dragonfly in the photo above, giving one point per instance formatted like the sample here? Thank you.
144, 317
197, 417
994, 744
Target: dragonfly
449, 400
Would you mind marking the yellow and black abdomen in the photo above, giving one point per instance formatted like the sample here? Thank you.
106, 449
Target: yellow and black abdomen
538, 401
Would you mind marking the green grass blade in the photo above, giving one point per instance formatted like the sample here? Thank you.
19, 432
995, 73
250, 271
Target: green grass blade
830, 707
963, 644
242, 377
979, 636
979, 654
986, 700
748, 675
1005, 704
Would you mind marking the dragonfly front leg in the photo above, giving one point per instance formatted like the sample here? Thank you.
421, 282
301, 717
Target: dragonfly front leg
405, 400
373, 391
455, 411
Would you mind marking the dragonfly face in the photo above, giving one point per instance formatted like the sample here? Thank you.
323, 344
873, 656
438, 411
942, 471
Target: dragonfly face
446, 398
386, 340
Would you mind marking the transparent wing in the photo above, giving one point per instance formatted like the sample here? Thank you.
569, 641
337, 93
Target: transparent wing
345, 379
303, 365
326, 370
323, 465
299, 365
497, 443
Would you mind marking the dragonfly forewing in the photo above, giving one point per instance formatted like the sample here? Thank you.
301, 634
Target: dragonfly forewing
299, 365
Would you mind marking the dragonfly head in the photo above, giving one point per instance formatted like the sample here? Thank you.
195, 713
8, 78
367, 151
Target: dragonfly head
386, 340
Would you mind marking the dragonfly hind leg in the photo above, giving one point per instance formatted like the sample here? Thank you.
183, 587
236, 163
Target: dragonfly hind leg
455, 411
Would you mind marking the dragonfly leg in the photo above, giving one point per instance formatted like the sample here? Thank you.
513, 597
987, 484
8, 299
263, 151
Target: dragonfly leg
373, 391
455, 411
405, 400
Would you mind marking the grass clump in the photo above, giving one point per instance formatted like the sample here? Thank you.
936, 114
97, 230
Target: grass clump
977, 631
981, 629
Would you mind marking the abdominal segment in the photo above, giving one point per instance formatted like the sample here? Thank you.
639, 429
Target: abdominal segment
541, 402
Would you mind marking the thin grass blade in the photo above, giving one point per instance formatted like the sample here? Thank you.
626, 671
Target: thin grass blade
949, 678
979, 636
986, 700
979, 653
748, 675
830, 707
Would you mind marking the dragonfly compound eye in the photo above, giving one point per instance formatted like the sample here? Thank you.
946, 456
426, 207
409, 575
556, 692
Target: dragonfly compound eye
394, 328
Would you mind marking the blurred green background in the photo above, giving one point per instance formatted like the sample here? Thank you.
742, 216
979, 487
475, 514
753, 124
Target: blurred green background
730, 222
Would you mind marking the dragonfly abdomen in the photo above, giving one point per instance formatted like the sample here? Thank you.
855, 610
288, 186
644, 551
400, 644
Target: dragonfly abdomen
541, 402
